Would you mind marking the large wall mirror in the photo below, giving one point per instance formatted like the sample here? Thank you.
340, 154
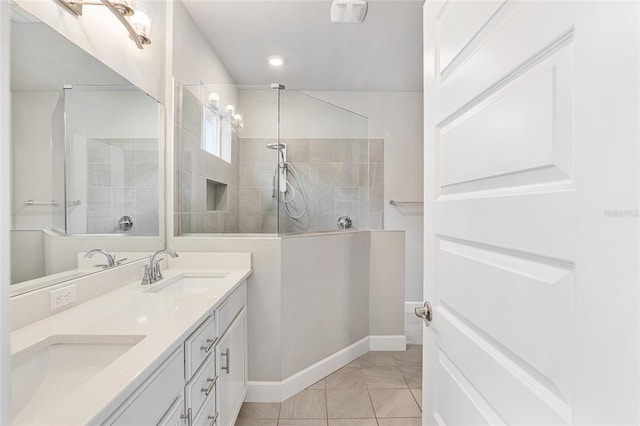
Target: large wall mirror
86, 163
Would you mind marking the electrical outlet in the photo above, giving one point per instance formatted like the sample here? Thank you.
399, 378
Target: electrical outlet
62, 296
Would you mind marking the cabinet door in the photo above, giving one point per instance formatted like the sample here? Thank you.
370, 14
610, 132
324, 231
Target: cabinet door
150, 402
232, 369
174, 416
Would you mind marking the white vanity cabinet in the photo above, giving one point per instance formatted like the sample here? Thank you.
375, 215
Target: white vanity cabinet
203, 382
232, 376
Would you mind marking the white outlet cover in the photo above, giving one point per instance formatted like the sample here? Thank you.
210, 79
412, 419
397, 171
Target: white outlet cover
62, 296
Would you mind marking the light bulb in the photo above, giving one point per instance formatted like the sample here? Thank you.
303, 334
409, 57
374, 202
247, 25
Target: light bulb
276, 60
141, 23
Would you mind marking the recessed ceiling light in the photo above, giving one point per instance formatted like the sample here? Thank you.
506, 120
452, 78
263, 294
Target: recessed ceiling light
276, 60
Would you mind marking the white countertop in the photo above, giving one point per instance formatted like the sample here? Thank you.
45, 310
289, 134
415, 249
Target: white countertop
164, 319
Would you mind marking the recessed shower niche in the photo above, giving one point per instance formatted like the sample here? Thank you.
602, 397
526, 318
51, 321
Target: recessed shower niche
216, 196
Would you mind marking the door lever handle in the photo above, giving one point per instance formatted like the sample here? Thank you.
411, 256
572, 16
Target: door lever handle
425, 312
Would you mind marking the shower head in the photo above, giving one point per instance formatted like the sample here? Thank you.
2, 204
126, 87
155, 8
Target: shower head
276, 145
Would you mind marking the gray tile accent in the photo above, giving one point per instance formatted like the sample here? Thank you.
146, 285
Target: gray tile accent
191, 113
344, 152
376, 151
321, 150
360, 150
376, 175
320, 175
297, 150
345, 175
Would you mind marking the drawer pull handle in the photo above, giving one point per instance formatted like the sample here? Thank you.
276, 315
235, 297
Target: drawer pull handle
226, 355
212, 383
213, 419
187, 416
206, 348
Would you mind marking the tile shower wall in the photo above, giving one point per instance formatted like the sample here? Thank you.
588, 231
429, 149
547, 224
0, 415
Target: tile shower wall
122, 179
339, 176
199, 172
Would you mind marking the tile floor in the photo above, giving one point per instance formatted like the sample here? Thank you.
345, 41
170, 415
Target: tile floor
377, 389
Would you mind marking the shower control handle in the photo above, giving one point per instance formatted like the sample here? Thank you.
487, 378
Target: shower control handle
344, 222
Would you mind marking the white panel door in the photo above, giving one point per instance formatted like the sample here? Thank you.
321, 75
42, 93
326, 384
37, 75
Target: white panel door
531, 225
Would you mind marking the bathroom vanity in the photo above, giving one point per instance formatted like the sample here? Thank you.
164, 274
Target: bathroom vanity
170, 353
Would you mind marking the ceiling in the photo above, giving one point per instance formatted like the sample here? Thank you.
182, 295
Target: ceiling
382, 54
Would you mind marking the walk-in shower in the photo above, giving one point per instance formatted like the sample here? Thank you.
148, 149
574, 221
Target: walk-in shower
295, 202
295, 164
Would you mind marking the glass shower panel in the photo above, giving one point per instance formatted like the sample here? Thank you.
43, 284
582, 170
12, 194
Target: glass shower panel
225, 168
57, 165
325, 152
111, 161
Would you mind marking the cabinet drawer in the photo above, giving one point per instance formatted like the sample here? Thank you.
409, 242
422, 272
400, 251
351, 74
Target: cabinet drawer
202, 385
153, 398
231, 307
208, 416
199, 345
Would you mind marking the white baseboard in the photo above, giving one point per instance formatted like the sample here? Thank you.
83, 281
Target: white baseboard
274, 391
409, 307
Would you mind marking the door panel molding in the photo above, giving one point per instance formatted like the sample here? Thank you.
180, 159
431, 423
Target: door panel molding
514, 393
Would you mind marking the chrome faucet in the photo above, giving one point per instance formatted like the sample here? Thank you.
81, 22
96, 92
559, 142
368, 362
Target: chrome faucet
111, 260
152, 272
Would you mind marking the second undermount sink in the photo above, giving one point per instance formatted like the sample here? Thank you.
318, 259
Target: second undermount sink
46, 373
190, 285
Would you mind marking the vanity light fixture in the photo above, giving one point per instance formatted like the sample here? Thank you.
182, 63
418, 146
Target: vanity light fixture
136, 19
276, 60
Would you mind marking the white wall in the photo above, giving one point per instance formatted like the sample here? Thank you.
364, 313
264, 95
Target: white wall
195, 61
31, 162
101, 34
325, 296
264, 294
397, 118
111, 114
31, 266
309, 295
301, 116
61, 253
5, 215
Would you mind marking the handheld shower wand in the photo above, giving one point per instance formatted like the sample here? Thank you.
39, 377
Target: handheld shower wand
282, 166
284, 186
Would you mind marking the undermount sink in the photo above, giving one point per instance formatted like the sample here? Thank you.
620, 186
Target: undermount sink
46, 373
189, 285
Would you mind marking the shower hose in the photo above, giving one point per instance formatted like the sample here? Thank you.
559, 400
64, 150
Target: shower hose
291, 190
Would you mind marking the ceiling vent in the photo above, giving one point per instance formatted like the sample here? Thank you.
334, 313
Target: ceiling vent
348, 11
